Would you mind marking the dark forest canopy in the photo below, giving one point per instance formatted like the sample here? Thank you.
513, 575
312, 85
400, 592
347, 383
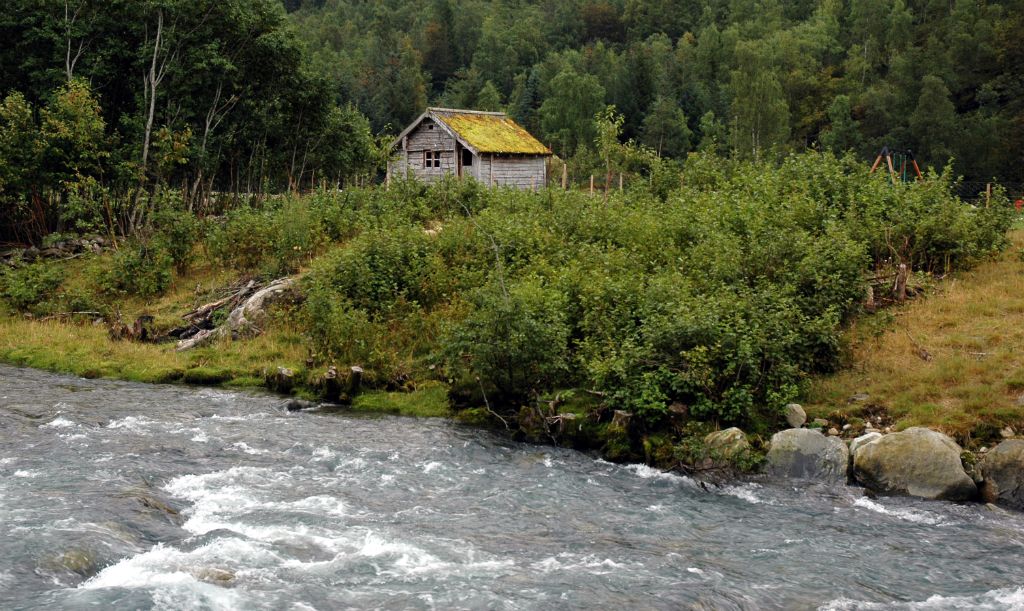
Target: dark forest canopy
942, 77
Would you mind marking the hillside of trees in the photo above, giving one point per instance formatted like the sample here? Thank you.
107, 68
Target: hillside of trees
944, 78
108, 106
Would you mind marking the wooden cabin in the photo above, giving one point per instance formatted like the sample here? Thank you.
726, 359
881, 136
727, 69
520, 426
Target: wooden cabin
487, 146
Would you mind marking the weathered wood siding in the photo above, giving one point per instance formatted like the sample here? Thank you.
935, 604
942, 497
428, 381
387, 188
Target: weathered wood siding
483, 168
520, 171
423, 138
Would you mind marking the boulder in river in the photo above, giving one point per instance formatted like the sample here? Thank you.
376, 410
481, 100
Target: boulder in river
795, 415
918, 462
727, 443
1003, 473
807, 454
75, 560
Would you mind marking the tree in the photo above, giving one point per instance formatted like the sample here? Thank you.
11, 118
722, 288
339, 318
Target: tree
566, 116
608, 125
439, 45
489, 98
759, 109
665, 128
713, 134
843, 132
934, 122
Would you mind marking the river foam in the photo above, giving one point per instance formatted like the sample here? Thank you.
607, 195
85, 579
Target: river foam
1003, 599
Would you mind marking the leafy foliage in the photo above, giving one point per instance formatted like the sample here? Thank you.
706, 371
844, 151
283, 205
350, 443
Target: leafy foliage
721, 295
25, 286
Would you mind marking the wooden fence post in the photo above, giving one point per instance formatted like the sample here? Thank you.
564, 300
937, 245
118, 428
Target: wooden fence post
901, 283
988, 194
565, 176
620, 181
591, 184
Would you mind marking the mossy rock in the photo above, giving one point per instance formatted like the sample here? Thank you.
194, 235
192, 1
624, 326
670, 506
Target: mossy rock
659, 451
617, 444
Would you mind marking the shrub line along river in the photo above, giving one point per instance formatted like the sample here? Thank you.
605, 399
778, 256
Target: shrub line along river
124, 495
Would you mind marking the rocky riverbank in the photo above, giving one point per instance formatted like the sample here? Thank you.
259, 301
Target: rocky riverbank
917, 462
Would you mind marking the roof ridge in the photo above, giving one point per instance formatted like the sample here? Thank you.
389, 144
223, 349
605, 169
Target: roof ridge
467, 111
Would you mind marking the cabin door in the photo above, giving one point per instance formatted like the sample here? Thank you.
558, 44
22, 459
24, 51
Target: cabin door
465, 161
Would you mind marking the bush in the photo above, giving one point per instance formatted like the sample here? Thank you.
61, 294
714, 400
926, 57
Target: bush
177, 233
381, 269
243, 239
26, 286
514, 342
274, 241
140, 268
723, 293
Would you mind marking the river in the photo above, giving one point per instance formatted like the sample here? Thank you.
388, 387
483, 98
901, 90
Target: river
131, 496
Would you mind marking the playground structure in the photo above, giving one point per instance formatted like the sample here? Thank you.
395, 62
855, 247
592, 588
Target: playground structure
893, 159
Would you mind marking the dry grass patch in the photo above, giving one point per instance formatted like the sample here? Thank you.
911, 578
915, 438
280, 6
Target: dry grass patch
953, 360
86, 350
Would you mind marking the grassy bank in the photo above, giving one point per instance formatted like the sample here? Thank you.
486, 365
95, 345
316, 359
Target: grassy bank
951, 361
85, 349
632, 324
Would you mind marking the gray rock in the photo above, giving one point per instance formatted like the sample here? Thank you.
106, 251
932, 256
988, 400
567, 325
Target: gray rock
795, 415
918, 462
727, 443
807, 454
621, 418
297, 405
1007, 433
74, 560
211, 574
1003, 471
819, 422
863, 440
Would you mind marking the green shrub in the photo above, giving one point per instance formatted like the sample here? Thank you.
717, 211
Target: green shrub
722, 291
274, 241
177, 233
25, 286
382, 268
514, 341
140, 268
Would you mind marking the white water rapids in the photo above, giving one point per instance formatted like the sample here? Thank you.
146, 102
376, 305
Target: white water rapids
128, 496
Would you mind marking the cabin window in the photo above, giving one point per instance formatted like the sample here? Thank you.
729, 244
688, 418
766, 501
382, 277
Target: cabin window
430, 126
467, 158
431, 159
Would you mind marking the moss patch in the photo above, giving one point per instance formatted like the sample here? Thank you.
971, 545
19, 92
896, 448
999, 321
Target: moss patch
430, 400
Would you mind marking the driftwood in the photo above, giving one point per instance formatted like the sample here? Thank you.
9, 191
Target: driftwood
63, 315
139, 331
248, 308
205, 312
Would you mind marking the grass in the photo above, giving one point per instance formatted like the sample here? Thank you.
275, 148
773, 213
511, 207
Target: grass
86, 350
429, 400
953, 361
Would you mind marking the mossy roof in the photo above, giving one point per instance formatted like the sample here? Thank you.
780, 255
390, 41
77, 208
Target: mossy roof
489, 132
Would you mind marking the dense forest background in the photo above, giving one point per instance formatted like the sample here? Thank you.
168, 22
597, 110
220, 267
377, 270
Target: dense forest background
745, 77
107, 102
